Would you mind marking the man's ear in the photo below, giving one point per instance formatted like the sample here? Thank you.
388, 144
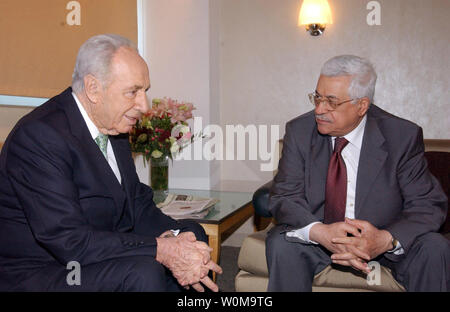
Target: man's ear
363, 106
92, 88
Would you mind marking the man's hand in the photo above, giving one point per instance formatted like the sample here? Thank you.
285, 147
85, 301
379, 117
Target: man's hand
324, 234
372, 242
188, 260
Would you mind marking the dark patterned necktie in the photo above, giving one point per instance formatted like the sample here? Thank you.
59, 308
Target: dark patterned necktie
336, 188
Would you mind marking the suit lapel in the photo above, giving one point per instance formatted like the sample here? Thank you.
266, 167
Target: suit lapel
371, 160
106, 183
122, 152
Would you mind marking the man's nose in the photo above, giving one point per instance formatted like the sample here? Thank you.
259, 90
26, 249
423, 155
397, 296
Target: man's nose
321, 108
142, 102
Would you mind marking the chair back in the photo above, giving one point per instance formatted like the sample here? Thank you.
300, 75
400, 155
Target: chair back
439, 166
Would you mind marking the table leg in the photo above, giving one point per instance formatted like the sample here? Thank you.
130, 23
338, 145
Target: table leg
212, 230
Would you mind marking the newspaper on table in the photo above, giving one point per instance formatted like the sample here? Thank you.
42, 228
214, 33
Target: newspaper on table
186, 206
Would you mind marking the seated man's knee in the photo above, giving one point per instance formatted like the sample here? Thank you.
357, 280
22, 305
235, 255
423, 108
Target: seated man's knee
144, 274
276, 243
434, 246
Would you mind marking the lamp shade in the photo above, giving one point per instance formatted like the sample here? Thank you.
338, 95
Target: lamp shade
315, 12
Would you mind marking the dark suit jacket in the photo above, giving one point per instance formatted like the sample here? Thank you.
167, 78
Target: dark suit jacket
394, 190
60, 201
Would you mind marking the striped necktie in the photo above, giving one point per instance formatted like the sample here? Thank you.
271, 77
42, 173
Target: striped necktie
102, 142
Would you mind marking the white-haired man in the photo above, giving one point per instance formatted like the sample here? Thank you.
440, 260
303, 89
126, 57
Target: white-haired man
69, 192
353, 186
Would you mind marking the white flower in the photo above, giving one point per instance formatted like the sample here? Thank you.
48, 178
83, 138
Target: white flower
185, 129
174, 148
156, 154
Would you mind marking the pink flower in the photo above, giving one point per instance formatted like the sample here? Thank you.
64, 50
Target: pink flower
158, 123
187, 136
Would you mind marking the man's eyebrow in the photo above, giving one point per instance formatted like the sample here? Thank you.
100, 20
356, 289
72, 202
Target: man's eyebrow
142, 87
327, 96
138, 87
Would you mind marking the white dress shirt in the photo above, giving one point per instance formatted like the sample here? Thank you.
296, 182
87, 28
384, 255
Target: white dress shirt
94, 133
350, 154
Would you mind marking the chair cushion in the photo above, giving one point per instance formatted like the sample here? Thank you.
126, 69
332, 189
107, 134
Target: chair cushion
346, 277
252, 256
248, 282
254, 274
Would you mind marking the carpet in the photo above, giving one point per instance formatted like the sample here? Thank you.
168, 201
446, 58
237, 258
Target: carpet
228, 262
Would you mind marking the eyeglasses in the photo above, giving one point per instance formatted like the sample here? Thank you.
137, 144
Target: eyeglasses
332, 104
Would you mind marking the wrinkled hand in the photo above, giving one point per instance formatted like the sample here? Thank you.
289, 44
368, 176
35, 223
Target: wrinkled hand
188, 260
349, 255
372, 242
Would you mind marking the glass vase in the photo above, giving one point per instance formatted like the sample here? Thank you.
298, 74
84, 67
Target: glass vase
159, 173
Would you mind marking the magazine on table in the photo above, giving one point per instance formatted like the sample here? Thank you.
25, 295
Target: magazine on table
186, 206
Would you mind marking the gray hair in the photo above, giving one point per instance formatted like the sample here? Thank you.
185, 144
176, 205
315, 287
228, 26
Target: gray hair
362, 71
94, 57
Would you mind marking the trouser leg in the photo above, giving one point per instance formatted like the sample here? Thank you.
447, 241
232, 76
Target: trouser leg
292, 265
426, 266
138, 273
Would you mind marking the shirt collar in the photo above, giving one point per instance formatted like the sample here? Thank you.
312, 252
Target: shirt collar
356, 135
93, 130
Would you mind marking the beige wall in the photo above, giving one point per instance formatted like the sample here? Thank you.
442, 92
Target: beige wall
9, 115
176, 48
268, 64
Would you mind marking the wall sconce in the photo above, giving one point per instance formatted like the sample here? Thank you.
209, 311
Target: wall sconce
315, 14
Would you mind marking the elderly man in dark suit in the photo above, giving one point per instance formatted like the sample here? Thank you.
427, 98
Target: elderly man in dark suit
353, 186
69, 192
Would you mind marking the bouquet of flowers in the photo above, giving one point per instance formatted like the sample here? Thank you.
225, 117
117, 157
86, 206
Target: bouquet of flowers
159, 135
163, 131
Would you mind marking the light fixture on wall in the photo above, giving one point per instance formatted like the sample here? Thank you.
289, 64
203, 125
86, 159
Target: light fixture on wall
315, 14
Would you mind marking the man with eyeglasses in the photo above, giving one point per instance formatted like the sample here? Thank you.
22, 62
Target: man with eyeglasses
353, 186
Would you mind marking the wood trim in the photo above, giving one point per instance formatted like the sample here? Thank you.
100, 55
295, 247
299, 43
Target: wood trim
438, 145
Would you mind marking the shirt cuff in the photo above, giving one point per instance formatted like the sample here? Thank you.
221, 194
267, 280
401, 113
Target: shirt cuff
303, 233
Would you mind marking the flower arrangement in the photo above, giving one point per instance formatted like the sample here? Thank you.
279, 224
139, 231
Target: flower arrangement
163, 131
159, 135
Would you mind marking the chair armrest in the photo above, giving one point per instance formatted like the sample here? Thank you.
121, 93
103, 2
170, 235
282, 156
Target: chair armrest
261, 200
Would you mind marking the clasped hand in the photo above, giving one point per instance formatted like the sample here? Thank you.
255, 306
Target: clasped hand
189, 260
366, 243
